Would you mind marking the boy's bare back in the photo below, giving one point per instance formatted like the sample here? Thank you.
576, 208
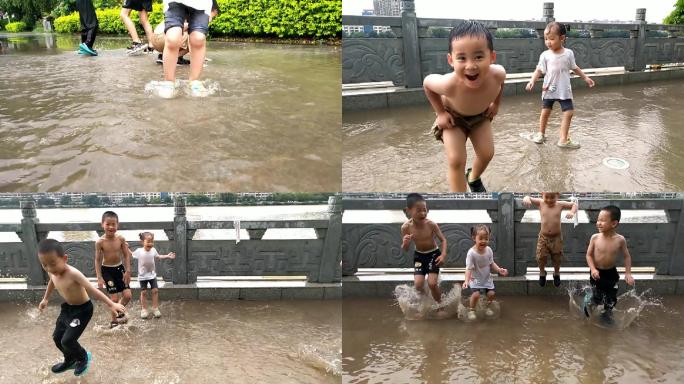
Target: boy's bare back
111, 249
463, 100
604, 249
423, 234
70, 286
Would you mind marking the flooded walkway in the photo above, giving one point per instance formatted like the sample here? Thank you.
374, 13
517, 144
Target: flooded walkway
71, 123
390, 149
536, 340
194, 342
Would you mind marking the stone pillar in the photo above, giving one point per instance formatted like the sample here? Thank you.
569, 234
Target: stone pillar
332, 258
256, 233
639, 62
409, 30
505, 235
29, 236
677, 254
548, 12
180, 242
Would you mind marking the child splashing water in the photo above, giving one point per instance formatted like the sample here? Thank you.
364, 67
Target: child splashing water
479, 264
146, 272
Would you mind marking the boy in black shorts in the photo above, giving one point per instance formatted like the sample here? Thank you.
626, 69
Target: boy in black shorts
109, 268
428, 256
143, 7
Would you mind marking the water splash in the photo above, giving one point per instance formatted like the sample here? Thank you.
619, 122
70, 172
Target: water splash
418, 306
320, 357
629, 306
183, 88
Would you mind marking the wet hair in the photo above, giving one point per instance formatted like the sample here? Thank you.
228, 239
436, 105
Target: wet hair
557, 27
613, 211
479, 227
551, 193
471, 29
109, 214
413, 198
50, 245
144, 235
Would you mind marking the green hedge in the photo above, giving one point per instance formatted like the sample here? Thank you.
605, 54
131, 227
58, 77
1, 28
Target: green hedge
282, 18
18, 26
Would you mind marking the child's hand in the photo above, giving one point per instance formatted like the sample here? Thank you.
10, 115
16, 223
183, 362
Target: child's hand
445, 120
117, 308
465, 285
595, 273
43, 303
440, 259
100, 282
503, 271
570, 215
492, 110
127, 277
529, 86
629, 279
171, 255
527, 201
407, 239
589, 82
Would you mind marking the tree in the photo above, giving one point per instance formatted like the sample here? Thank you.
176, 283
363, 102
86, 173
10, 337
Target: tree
677, 15
105, 200
65, 200
46, 202
227, 197
197, 199
91, 201
167, 199
28, 10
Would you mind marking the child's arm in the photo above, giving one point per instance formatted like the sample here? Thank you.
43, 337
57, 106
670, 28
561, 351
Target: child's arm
99, 255
584, 77
170, 255
569, 205
500, 76
628, 262
442, 238
435, 86
535, 76
46, 296
96, 293
406, 237
501, 271
467, 278
530, 201
590, 259
127, 260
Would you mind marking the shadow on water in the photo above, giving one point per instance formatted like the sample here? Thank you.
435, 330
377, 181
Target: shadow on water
535, 340
85, 123
640, 123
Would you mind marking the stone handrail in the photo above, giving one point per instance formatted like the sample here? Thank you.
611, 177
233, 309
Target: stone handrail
413, 53
317, 259
659, 245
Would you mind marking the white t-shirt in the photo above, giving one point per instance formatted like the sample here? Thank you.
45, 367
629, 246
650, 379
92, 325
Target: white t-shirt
556, 69
480, 264
200, 5
145, 263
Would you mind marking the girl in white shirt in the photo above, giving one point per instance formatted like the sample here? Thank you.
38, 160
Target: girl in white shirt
146, 272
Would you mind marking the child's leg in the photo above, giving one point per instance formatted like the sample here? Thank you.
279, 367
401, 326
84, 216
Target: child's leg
433, 283
126, 297
198, 50
125, 16
544, 119
58, 333
419, 282
454, 146
89, 23
565, 126
490, 296
483, 144
542, 255
155, 298
72, 349
474, 298
170, 55
144, 21
143, 300
115, 298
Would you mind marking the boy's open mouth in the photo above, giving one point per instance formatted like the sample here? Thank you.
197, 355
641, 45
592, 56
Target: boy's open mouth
471, 77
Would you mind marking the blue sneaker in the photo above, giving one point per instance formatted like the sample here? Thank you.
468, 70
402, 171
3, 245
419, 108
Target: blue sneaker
586, 303
82, 366
63, 367
87, 50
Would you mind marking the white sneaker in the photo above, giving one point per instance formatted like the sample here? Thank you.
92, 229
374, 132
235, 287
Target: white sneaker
197, 89
539, 138
144, 314
166, 89
489, 312
157, 313
471, 315
569, 144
